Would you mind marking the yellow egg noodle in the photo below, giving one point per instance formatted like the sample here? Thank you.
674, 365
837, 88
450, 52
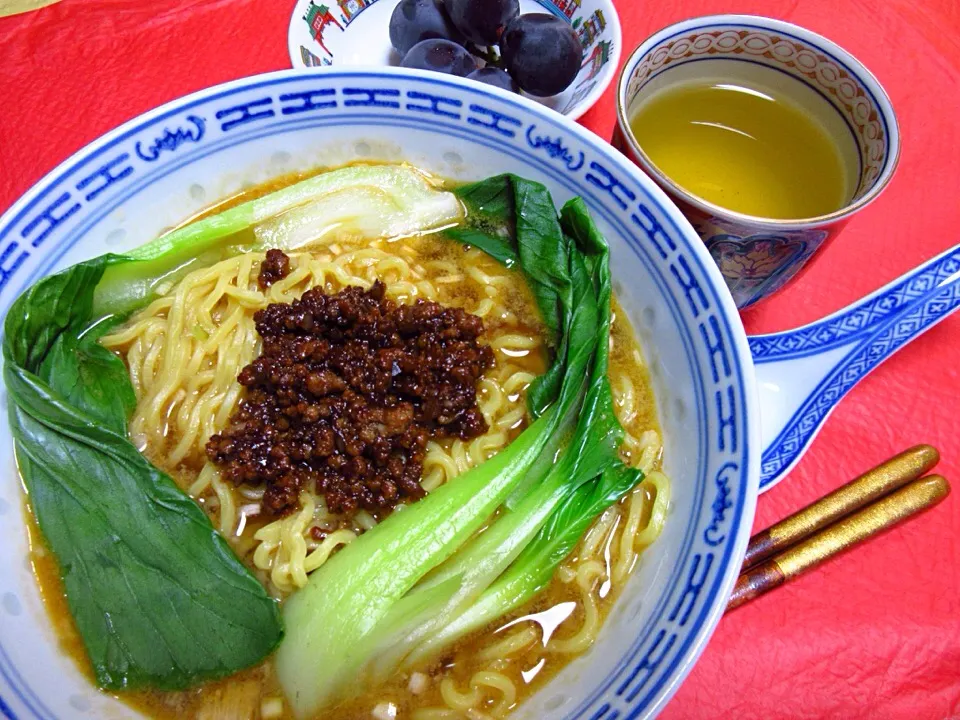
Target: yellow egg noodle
185, 350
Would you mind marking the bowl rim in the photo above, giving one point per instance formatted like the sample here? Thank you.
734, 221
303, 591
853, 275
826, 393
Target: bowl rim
797, 32
700, 634
611, 16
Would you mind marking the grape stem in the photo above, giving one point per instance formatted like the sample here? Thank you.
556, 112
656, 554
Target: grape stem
487, 54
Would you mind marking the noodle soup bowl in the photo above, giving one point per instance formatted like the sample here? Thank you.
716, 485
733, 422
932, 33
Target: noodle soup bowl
155, 171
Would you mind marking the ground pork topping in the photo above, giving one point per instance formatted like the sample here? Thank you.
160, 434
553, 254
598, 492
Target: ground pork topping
275, 266
346, 392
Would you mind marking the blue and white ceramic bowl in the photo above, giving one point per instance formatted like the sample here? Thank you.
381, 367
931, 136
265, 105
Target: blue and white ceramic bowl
151, 173
356, 33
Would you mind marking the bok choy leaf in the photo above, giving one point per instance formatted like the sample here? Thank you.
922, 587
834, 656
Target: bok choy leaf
523, 228
533, 569
587, 480
158, 597
368, 200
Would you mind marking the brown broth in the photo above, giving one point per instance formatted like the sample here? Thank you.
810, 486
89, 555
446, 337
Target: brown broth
45, 569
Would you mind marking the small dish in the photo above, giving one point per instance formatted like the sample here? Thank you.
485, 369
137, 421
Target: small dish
355, 33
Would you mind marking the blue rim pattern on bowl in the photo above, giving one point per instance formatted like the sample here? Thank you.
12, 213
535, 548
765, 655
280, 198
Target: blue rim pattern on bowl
100, 178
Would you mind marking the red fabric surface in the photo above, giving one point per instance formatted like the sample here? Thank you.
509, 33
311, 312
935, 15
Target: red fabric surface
873, 634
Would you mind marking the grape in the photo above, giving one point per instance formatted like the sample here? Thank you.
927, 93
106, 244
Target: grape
416, 20
440, 56
542, 53
482, 21
496, 77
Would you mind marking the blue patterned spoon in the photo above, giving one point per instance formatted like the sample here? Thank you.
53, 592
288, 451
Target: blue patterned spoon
803, 373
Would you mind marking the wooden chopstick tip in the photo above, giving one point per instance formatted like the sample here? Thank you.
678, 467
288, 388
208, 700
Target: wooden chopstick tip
755, 582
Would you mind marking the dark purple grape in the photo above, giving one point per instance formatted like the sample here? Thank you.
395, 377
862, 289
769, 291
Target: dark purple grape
482, 21
416, 20
542, 52
496, 77
440, 56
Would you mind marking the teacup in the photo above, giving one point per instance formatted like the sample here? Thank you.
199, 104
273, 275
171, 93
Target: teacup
758, 255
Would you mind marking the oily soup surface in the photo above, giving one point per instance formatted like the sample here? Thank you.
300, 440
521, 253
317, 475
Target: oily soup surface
488, 672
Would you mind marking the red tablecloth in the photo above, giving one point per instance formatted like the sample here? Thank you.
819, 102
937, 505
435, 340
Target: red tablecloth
874, 634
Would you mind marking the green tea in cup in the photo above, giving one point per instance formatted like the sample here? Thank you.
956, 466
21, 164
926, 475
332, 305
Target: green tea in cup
746, 148
767, 136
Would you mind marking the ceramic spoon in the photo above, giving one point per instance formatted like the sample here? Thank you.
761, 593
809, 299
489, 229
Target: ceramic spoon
802, 374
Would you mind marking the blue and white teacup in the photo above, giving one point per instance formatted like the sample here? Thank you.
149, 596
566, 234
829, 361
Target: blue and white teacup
757, 255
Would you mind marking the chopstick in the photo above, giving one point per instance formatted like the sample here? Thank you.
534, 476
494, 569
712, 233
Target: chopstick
859, 492
864, 507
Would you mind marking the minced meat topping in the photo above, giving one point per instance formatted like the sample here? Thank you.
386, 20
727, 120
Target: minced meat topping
275, 266
345, 394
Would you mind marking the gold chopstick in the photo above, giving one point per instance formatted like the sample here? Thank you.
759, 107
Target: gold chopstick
859, 492
911, 499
